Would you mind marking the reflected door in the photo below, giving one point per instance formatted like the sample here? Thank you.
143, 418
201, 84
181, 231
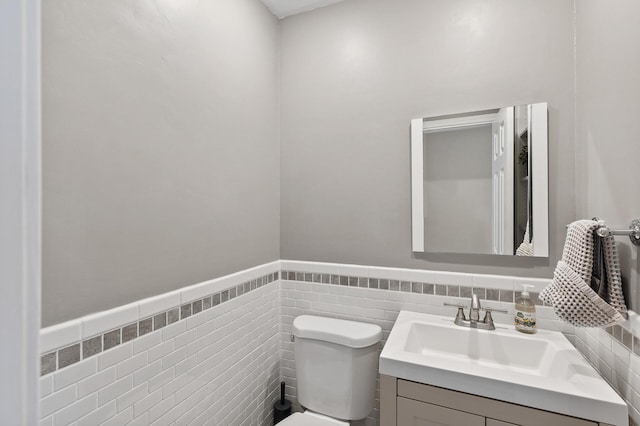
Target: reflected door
502, 179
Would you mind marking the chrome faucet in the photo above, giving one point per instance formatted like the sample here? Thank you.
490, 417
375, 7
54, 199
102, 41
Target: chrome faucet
474, 312
474, 315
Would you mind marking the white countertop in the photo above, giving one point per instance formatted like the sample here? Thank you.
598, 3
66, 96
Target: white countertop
542, 370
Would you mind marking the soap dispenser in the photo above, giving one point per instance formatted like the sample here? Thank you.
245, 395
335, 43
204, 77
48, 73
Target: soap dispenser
525, 317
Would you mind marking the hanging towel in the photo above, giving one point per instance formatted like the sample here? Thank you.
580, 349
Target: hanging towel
570, 293
526, 247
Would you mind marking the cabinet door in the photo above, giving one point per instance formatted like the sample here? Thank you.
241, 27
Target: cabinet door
415, 413
492, 422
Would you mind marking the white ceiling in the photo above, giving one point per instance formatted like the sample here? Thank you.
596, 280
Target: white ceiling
284, 8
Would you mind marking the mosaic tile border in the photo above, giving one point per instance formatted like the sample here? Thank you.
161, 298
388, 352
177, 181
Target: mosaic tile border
63, 357
494, 294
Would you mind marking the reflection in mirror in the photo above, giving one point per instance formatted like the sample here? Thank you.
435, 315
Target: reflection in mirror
479, 182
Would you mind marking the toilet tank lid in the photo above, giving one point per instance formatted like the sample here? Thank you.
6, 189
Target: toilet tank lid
352, 334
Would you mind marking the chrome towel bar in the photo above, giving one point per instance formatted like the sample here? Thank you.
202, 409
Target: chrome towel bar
633, 232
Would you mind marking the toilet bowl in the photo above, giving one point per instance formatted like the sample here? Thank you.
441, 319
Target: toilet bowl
336, 368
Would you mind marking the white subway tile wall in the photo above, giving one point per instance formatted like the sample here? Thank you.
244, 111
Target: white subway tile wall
65, 344
219, 361
219, 367
614, 352
71, 351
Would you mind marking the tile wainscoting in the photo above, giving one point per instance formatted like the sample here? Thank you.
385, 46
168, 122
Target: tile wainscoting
615, 353
218, 366
193, 361
91, 346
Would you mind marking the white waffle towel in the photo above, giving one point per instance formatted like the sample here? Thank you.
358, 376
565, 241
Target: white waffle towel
570, 293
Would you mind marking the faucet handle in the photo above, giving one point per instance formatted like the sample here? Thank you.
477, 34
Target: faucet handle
488, 320
460, 316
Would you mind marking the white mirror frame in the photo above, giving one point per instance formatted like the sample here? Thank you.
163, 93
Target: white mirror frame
539, 175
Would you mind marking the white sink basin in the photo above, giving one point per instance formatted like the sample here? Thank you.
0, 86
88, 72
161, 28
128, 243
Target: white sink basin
542, 370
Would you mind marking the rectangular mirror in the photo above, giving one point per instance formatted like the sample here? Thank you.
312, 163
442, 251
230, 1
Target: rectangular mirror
479, 182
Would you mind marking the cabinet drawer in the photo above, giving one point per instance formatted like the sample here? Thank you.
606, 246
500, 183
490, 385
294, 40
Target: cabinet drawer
416, 413
486, 407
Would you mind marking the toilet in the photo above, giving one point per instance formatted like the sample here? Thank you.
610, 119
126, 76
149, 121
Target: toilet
336, 369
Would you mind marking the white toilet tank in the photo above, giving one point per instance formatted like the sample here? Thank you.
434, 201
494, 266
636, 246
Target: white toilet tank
336, 365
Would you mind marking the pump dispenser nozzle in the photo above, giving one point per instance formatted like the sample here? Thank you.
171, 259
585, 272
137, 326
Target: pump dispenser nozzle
525, 291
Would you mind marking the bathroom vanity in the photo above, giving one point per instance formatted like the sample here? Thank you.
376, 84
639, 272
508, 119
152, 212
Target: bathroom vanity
407, 403
434, 372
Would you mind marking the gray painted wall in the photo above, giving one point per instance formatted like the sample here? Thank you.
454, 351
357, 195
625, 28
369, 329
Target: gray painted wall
608, 122
188, 94
458, 190
160, 138
353, 75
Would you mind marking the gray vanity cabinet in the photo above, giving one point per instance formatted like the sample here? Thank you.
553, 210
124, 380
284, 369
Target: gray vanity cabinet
406, 403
